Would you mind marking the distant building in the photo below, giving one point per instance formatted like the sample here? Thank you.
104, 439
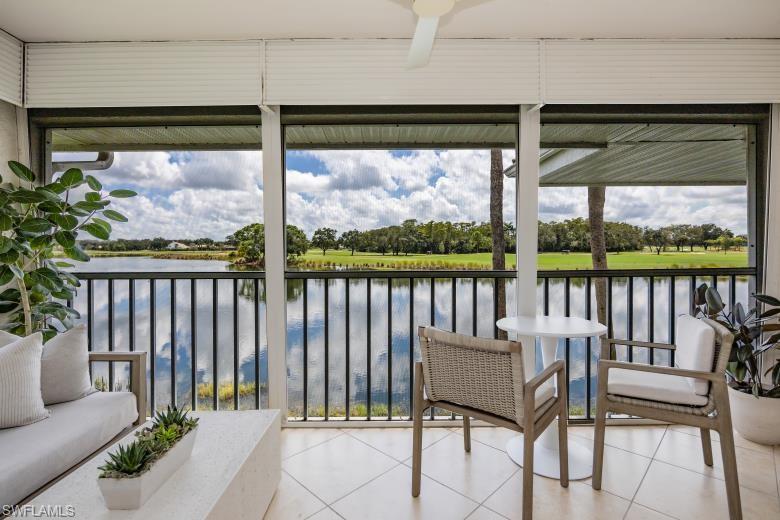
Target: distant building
176, 245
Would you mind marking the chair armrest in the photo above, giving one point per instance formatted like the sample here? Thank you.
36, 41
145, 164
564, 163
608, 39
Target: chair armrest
645, 344
137, 362
606, 365
547, 373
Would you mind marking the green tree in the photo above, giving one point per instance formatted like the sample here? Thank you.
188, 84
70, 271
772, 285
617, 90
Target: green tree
324, 238
297, 243
656, 239
351, 240
250, 242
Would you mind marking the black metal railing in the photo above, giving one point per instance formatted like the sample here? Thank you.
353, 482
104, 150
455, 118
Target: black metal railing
352, 334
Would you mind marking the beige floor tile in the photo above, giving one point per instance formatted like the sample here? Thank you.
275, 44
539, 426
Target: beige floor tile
492, 436
483, 513
296, 440
292, 500
738, 439
642, 440
397, 442
756, 470
638, 512
476, 474
579, 501
623, 470
777, 466
337, 467
390, 497
325, 514
686, 494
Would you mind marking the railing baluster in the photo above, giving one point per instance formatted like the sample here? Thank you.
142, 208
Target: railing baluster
326, 339
567, 341
173, 342
672, 314
473, 306
194, 344
732, 292
305, 349
630, 316
610, 324
215, 342
90, 317
412, 333
588, 342
347, 373
131, 314
152, 341
546, 296
651, 316
495, 307
433, 322
111, 333
256, 311
454, 319
389, 349
692, 294
236, 353
368, 349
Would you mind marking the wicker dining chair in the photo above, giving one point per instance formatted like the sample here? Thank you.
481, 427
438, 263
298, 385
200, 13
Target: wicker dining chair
485, 379
692, 393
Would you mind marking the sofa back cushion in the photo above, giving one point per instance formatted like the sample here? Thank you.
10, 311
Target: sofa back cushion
20, 382
64, 365
695, 349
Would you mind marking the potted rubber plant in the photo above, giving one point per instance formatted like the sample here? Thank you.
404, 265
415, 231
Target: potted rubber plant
36, 222
754, 382
135, 470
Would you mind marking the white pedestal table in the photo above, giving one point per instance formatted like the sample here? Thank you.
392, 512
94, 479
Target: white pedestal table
549, 329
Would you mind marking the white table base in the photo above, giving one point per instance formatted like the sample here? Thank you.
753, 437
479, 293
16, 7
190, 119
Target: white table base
546, 454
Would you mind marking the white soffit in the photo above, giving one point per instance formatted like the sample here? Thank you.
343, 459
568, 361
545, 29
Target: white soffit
336, 72
11, 64
654, 71
143, 74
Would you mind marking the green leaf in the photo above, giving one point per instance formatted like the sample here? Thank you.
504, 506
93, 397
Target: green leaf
92, 196
769, 300
25, 196
40, 242
65, 239
9, 257
770, 313
101, 222
76, 253
6, 244
79, 212
21, 171
6, 275
56, 187
93, 183
96, 230
11, 295
714, 301
122, 194
51, 207
71, 177
66, 222
63, 264
35, 225
89, 206
114, 215
6, 307
48, 194
6, 222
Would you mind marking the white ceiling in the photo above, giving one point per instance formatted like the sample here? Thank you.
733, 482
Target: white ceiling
115, 20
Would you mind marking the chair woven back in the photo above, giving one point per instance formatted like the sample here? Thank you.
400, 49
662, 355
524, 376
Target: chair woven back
483, 374
723, 342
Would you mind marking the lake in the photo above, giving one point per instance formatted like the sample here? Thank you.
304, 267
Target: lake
392, 346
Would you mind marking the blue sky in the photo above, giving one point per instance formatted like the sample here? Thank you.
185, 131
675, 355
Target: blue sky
196, 194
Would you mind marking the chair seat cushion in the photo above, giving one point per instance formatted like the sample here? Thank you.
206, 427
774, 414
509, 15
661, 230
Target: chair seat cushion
653, 387
32, 455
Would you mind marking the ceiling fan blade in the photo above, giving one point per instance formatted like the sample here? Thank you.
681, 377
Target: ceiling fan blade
422, 42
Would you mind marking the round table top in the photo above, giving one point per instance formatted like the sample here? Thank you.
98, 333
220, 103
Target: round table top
553, 326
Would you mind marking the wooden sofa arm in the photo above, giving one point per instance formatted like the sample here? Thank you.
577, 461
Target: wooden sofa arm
547, 373
606, 365
137, 362
645, 344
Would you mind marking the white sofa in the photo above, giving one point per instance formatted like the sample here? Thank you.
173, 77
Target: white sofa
33, 456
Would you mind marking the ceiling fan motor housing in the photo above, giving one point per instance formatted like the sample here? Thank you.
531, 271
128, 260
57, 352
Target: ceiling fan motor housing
432, 8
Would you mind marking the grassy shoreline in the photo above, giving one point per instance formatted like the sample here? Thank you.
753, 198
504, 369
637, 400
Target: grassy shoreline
546, 261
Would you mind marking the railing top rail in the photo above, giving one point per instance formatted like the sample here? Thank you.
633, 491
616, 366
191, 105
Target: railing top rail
440, 273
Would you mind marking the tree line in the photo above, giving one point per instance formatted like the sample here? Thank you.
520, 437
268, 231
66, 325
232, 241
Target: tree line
439, 237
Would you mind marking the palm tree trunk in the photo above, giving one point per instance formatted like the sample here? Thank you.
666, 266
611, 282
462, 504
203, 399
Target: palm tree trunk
598, 246
497, 229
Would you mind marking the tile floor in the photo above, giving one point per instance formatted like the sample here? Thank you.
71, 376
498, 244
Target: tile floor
650, 472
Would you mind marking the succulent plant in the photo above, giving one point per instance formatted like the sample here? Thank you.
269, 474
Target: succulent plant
128, 460
174, 416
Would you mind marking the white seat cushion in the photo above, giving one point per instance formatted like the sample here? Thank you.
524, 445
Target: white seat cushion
653, 387
695, 350
32, 455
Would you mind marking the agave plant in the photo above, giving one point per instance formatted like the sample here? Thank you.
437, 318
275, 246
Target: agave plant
35, 220
173, 416
128, 460
755, 332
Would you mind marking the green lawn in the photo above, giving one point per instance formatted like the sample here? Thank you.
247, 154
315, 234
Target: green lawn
547, 261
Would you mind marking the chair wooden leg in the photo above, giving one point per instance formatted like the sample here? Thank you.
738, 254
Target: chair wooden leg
563, 438
528, 471
728, 453
466, 434
417, 430
598, 443
706, 446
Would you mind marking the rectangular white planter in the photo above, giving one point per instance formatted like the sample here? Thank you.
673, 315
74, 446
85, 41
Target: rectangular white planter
132, 493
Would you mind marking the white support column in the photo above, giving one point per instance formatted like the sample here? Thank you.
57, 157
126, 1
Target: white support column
527, 211
772, 239
275, 259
